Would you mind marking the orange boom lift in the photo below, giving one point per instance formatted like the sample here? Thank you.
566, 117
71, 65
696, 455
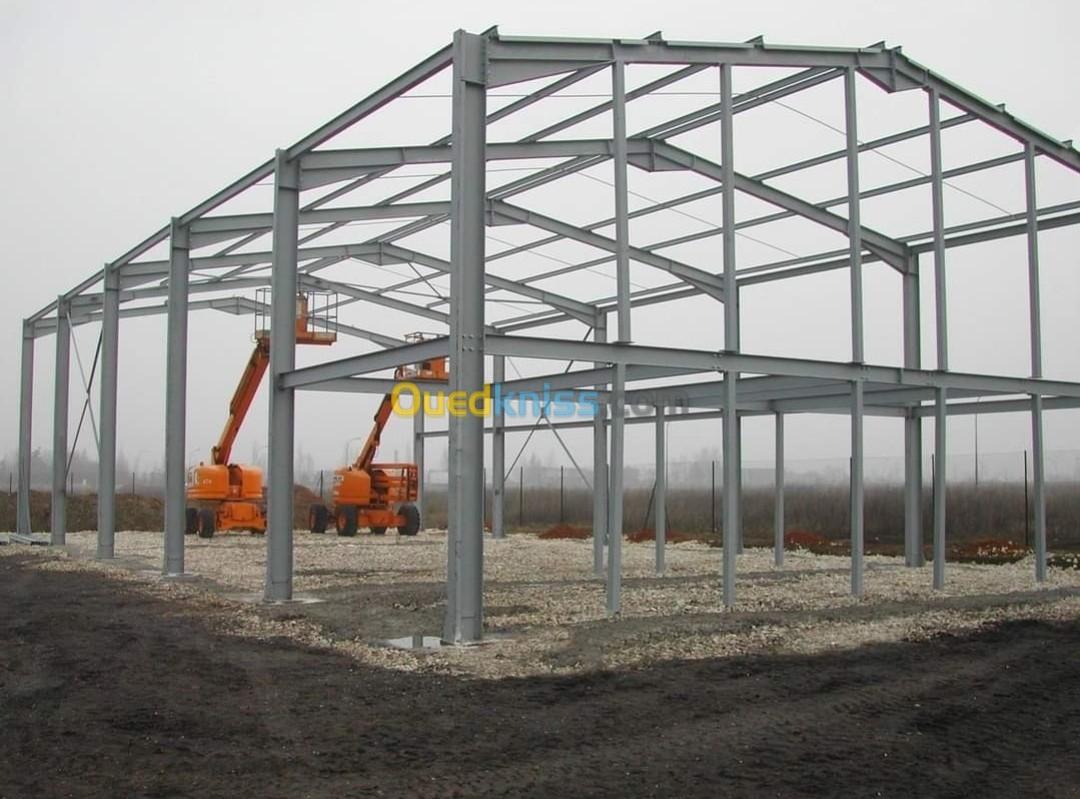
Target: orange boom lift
377, 495
230, 496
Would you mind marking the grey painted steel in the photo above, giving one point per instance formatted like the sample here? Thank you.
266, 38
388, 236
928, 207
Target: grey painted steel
730, 516
942, 338
26, 407
58, 511
615, 493
857, 401
465, 545
600, 460
778, 497
732, 464
857, 396
913, 433
660, 500
498, 455
418, 459
622, 200
176, 401
940, 460
279, 528
1035, 323
110, 345
1039, 498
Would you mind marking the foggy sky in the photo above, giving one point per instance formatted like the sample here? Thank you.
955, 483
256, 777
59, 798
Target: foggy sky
118, 115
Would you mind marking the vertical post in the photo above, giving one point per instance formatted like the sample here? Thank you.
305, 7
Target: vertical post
618, 386
778, 499
940, 396
418, 459
110, 341
600, 470
732, 464
26, 405
857, 354
562, 494
738, 482
615, 492
1027, 506
283, 307
521, 496
58, 526
1038, 455
857, 401
498, 455
622, 200
712, 497
660, 520
465, 548
176, 399
913, 478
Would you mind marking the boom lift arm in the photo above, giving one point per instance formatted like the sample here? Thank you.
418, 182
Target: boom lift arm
242, 399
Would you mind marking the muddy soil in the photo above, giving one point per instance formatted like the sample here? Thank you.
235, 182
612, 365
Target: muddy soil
107, 691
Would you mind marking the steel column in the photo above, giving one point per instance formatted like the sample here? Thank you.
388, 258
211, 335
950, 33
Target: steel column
26, 403
913, 531
498, 454
176, 400
731, 495
731, 443
857, 403
418, 459
615, 491
58, 527
942, 334
660, 505
1035, 322
283, 302
778, 498
622, 200
465, 546
110, 347
600, 459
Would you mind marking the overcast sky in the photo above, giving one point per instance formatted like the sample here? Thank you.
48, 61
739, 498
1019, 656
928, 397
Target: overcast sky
119, 115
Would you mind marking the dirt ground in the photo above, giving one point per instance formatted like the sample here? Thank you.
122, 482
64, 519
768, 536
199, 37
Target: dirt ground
114, 683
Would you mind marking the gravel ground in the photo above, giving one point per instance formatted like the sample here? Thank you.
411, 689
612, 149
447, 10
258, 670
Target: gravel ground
545, 608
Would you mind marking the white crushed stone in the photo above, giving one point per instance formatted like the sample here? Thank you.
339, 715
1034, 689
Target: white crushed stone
550, 595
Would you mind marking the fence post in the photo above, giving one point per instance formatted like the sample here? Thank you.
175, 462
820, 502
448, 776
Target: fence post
521, 496
322, 496
712, 506
562, 499
133, 484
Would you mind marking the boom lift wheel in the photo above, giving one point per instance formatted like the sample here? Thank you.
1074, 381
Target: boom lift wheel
191, 521
412, 520
347, 521
207, 523
318, 518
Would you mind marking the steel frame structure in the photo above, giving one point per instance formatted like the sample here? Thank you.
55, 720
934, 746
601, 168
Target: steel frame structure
741, 384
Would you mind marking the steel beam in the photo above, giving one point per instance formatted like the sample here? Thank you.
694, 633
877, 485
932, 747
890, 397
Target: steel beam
110, 345
942, 337
622, 201
465, 541
284, 286
176, 401
26, 407
58, 527
730, 514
